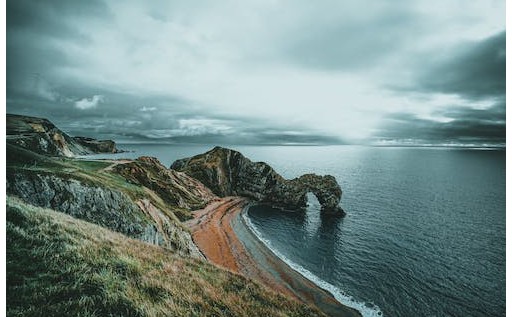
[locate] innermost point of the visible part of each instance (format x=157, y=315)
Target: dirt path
x=114, y=163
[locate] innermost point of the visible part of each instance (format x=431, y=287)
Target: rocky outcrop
x=228, y=173
x=106, y=207
x=97, y=146
x=43, y=137
x=175, y=188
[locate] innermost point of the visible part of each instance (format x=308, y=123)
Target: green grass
x=89, y=172
x=90, y=166
x=60, y=266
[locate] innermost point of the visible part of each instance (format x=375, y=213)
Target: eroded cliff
x=41, y=136
x=95, y=192
x=228, y=173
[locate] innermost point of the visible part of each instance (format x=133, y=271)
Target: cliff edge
x=43, y=137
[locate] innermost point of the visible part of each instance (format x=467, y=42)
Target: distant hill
x=41, y=136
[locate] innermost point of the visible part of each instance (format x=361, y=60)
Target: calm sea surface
x=424, y=233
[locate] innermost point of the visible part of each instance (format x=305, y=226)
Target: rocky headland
x=41, y=136
x=228, y=173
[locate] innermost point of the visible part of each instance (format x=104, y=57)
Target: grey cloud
x=241, y=138
x=186, y=61
x=466, y=126
x=357, y=39
x=126, y=117
x=472, y=71
x=55, y=18
x=38, y=33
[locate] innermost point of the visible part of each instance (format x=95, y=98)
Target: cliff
x=97, y=146
x=94, y=191
x=228, y=173
x=175, y=188
x=43, y=137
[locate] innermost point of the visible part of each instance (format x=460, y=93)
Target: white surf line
x=339, y=295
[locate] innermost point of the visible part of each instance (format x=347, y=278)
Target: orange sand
x=212, y=232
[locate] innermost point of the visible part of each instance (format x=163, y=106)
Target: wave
x=366, y=309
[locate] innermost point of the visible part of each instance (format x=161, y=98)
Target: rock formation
x=227, y=172
x=107, y=207
x=97, y=146
x=148, y=205
x=43, y=137
x=175, y=188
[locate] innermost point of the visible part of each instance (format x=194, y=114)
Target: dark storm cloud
x=472, y=71
x=186, y=127
x=465, y=126
x=36, y=33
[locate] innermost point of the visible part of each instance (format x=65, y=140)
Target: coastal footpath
x=134, y=238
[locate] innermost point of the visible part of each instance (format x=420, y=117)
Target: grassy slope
x=60, y=266
x=20, y=160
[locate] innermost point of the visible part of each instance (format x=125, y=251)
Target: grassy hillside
x=96, y=173
x=61, y=266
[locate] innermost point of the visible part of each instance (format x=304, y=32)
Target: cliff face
x=175, y=188
x=97, y=146
x=109, y=208
x=227, y=172
x=95, y=192
x=43, y=137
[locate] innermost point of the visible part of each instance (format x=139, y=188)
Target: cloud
x=355, y=37
x=457, y=125
x=233, y=72
x=475, y=70
x=88, y=103
x=148, y=109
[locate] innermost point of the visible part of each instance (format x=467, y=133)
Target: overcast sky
x=267, y=71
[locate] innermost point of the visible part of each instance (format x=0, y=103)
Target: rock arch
x=228, y=173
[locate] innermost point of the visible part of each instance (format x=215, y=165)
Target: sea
x=424, y=233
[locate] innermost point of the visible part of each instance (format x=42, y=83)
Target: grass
x=61, y=266
x=90, y=172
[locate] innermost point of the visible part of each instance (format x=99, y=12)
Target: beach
x=225, y=240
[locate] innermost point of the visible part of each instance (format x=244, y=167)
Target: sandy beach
x=222, y=236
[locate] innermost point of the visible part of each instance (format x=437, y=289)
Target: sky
x=416, y=72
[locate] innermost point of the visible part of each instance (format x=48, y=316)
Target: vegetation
x=91, y=172
x=61, y=266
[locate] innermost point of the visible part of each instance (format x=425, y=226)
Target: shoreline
x=225, y=240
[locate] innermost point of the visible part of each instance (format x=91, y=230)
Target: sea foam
x=366, y=309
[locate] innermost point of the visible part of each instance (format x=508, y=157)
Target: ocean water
x=424, y=233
